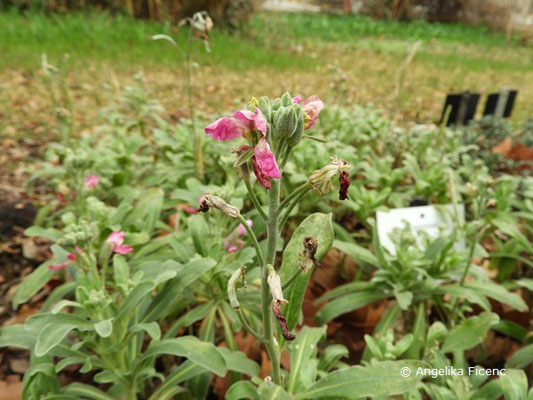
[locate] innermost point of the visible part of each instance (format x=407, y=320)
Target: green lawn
x=272, y=53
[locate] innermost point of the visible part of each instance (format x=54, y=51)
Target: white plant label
x=432, y=220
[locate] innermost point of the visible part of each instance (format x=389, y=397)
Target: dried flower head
x=284, y=325
x=217, y=202
x=320, y=180
x=308, y=255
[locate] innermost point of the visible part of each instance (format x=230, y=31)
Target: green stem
x=255, y=200
x=247, y=325
x=272, y=241
x=292, y=195
x=196, y=135
x=288, y=211
x=254, y=238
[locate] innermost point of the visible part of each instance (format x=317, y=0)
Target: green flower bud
x=298, y=132
x=286, y=99
x=265, y=107
x=276, y=104
x=286, y=122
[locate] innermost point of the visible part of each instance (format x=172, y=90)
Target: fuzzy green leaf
x=319, y=226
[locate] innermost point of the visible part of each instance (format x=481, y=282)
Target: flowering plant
x=272, y=130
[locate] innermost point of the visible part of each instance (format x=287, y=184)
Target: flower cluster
x=271, y=128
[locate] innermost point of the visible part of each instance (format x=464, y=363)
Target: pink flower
x=91, y=181
x=232, y=242
x=312, y=107
x=254, y=121
x=71, y=256
x=297, y=99
x=57, y=267
x=116, y=239
x=266, y=160
x=225, y=128
x=242, y=230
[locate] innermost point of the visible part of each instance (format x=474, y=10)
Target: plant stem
x=254, y=239
x=255, y=200
x=246, y=324
x=289, y=209
x=272, y=241
x=292, y=195
x=196, y=135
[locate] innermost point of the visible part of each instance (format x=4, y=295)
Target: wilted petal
x=261, y=177
x=254, y=121
x=344, y=180
x=312, y=107
x=91, y=181
x=225, y=129
x=57, y=267
x=266, y=160
x=297, y=99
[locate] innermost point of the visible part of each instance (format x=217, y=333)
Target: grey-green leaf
x=319, y=226
x=104, y=328
x=202, y=353
x=376, y=380
x=346, y=304
x=469, y=333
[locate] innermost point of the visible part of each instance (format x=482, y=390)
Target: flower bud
x=286, y=122
x=286, y=99
x=265, y=107
x=298, y=132
x=276, y=104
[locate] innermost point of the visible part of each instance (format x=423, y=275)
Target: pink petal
x=57, y=267
x=123, y=249
x=71, y=256
x=191, y=210
x=78, y=250
x=116, y=239
x=297, y=99
x=261, y=177
x=312, y=107
x=225, y=129
x=91, y=181
x=241, y=230
x=266, y=160
x=253, y=121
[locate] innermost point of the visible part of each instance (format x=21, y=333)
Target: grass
x=270, y=54
x=122, y=41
